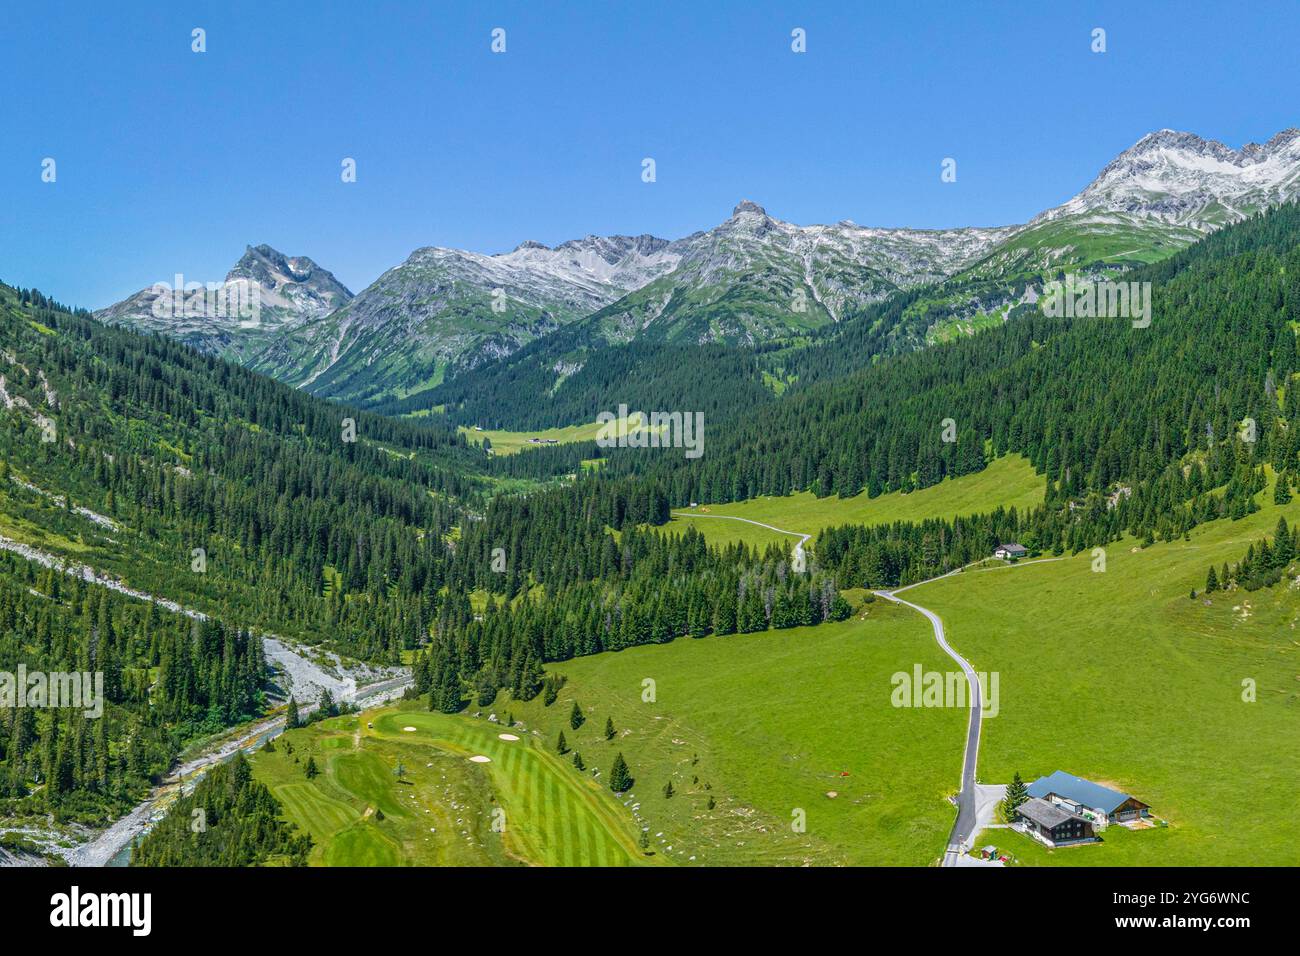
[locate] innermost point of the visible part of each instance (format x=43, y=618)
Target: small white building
x=1010, y=552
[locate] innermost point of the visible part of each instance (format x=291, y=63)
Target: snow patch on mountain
x=1182, y=179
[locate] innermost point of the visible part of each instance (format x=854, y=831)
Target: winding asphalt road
x=967, y=798
x=964, y=826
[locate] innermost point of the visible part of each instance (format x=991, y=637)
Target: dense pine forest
x=229, y=820
x=167, y=679
x=606, y=595
x=718, y=380
x=1142, y=430
x=194, y=479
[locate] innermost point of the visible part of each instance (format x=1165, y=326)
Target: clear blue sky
x=171, y=161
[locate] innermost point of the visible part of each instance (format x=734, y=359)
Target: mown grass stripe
x=550, y=809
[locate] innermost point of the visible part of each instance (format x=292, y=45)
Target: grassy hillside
x=764, y=725
x=443, y=810
x=1122, y=678
x=1008, y=482
x=758, y=723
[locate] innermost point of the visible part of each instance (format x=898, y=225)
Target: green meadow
x=521, y=805
x=1119, y=676
x=509, y=443
x=553, y=815
x=359, y=814
x=782, y=747
x=1009, y=481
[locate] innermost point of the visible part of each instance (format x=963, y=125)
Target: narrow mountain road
x=803, y=538
x=963, y=827
x=968, y=798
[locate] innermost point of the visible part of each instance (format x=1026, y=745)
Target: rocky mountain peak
x=273, y=270
x=1184, y=179
x=748, y=207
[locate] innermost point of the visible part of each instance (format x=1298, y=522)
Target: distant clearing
x=1009, y=481
x=509, y=443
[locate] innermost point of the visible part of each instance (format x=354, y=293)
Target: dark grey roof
x=1043, y=813
x=1091, y=795
x=1012, y=546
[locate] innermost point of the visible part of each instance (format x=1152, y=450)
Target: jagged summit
x=292, y=290
x=274, y=270
x=1186, y=180
x=748, y=206
x=1178, y=140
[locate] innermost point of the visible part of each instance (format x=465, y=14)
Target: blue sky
x=171, y=161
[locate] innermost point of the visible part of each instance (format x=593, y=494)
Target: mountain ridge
x=751, y=280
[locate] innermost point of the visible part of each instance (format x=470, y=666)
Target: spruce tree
x=1017, y=793
x=1211, y=581
x=291, y=719
x=1282, y=489
x=609, y=728
x=576, y=718
x=311, y=769
x=620, y=779
x=561, y=745
x=1283, y=546
x=485, y=688
x=668, y=790
x=577, y=761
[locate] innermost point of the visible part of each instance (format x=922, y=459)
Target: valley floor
x=785, y=748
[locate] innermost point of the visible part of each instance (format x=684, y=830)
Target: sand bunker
x=409, y=730
x=507, y=736
x=479, y=758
